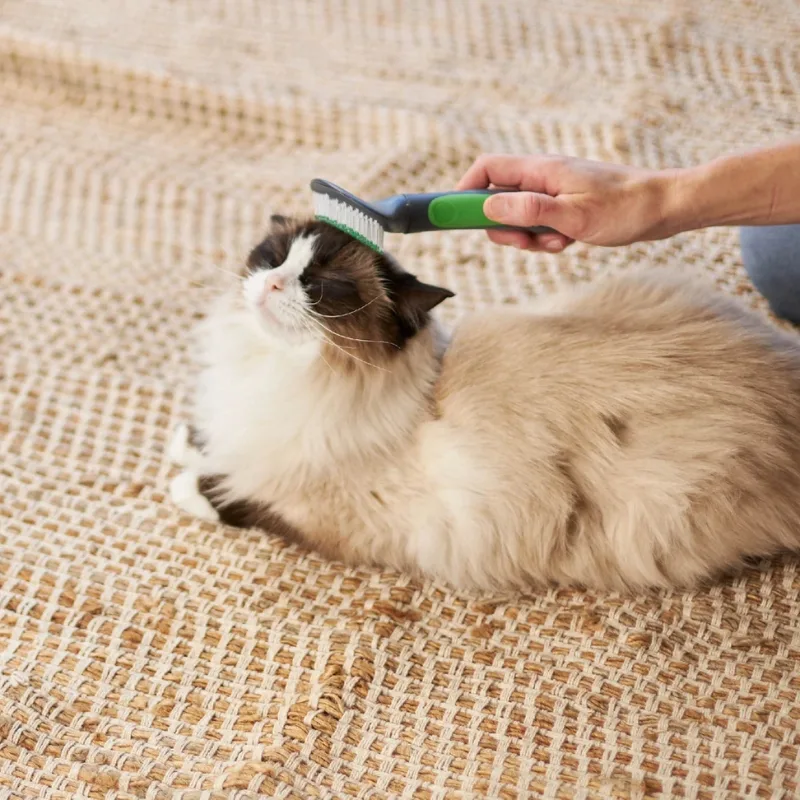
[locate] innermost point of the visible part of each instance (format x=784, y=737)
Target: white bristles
x=355, y=222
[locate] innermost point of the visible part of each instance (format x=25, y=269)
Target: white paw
x=176, y=452
x=181, y=451
x=185, y=494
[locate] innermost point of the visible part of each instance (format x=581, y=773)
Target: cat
x=641, y=432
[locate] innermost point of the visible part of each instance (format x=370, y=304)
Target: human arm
x=610, y=204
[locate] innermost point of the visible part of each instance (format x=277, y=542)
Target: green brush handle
x=435, y=211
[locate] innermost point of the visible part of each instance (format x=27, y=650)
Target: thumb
x=526, y=209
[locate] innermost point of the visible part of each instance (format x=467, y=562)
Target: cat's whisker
x=323, y=330
x=348, y=353
x=303, y=321
x=300, y=317
x=308, y=327
x=228, y=271
x=356, y=358
x=354, y=338
x=317, y=302
x=327, y=364
x=349, y=313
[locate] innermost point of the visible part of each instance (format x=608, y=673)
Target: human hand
x=586, y=201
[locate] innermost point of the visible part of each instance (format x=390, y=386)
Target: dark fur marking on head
x=363, y=301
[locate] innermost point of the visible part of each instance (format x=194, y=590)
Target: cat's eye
x=332, y=283
x=329, y=289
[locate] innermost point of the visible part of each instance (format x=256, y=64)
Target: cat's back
x=631, y=340
x=665, y=365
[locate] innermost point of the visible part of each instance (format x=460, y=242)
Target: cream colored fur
x=642, y=432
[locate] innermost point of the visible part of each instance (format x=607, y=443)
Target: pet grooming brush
x=404, y=213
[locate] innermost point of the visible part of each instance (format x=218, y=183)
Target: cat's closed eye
x=333, y=284
x=324, y=289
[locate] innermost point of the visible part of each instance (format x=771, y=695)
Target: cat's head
x=309, y=282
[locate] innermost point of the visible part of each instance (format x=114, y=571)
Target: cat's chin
x=289, y=340
x=281, y=334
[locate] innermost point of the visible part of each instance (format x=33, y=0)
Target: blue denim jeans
x=771, y=257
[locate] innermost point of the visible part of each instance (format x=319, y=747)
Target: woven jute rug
x=147, y=655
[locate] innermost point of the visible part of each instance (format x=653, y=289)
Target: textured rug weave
x=143, y=143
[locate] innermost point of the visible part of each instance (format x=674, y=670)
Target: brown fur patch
x=244, y=513
x=583, y=512
x=619, y=428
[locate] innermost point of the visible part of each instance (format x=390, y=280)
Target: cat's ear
x=413, y=294
x=279, y=221
x=413, y=300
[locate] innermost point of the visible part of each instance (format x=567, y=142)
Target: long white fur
x=274, y=421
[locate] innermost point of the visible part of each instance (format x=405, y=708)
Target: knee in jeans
x=771, y=256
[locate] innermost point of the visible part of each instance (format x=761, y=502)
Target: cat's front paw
x=185, y=492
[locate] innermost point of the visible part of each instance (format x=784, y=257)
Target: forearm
x=757, y=187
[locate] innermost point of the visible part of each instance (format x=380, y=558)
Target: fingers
x=518, y=239
x=552, y=242
x=543, y=242
x=530, y=209
x=502, y=170
x=533, y=199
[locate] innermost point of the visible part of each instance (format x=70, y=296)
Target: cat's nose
x=273, y=283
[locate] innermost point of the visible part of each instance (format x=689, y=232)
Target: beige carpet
x=146, y=655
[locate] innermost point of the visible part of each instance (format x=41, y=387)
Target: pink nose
x=272, y=283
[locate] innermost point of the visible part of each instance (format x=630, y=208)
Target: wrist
x=677, y=193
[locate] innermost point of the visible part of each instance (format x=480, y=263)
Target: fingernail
x=495, y=207
x=553, y=246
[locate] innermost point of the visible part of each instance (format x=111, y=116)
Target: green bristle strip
x=348, y=230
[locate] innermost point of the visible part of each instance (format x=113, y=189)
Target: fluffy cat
x=643, y=432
